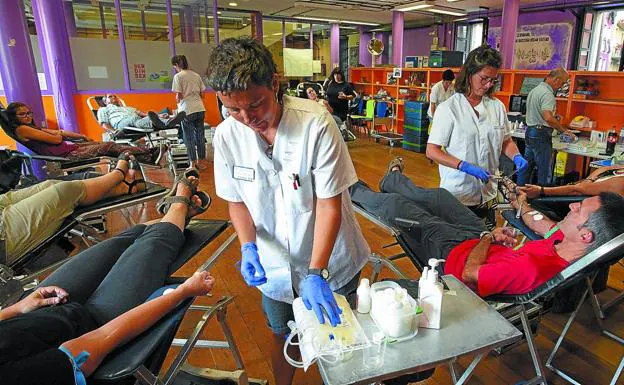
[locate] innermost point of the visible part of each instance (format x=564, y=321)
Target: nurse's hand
x=520, y=162
x=317, y=295
x=480, y=173
x=251, y=269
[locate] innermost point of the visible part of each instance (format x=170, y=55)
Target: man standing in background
x=541, y=120
x=441, y=91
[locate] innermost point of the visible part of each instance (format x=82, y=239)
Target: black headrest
x=100, y=100
x=6, y=124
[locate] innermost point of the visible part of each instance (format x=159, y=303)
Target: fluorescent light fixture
x=233, y=4
x=452, y=1
x=335, y=21
x=414, y=6
x=446, y=12
x=277, y=34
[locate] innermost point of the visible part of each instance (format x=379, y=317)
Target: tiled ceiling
x=371, y=11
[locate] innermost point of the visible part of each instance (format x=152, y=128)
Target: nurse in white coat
x=472, y=127
x=283, y=167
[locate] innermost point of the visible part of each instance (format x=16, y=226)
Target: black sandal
x=124, y=156
x=134, y=165
x=183, y=178
x=165, y=203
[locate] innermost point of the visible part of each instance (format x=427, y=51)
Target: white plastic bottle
x=363, y=297
x=430, y=292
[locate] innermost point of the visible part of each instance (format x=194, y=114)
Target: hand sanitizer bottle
x=430, y=292
x=363, y=293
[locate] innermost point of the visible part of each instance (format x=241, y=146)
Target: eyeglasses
x=485, y=80
x=25, y=114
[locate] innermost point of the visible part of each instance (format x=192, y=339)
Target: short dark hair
x=477, y=59
x=180, y=61
x=448, y=75
x=336, y=71
x=607, y=222
x=238, y=62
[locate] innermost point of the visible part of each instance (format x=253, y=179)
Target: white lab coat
x=438, y=95
x=476, y=140
x=308, y=144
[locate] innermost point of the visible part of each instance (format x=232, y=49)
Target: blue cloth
x=538, y=151
x=76, y=364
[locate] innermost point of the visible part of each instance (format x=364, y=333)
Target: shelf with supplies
x=606, y=108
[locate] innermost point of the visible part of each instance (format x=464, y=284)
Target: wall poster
x=538, y=46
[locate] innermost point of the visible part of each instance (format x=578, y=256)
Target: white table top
x=469, y=327
x=581, y=147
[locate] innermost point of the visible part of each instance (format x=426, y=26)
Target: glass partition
x=95, y=47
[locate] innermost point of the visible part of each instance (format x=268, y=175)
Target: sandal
x=165, y=203
x=182, y=179
x=134, y=165
x=124, y=156
x=396, y=162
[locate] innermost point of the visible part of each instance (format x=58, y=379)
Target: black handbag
x=10, y=170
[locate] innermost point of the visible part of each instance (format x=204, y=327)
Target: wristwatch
x=324, y=273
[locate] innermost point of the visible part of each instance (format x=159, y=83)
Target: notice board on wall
x=538, y=46
x=298, y=62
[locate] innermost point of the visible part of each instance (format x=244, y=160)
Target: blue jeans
x=538, y=152
x=194, y=137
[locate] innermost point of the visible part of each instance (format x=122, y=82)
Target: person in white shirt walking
x=441, y=91
x=283, y=167
x=189, y=90
x=473, y=128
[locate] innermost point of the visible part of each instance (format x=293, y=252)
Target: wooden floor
x=590, y=356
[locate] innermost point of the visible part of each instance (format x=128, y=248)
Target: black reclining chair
x=585, y=269
x=129, y=135
x=55, y=250
x=141, y=360
x=55, y=166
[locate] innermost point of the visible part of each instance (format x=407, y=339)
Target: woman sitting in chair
x=61, y=332
x=44, y=141
x=603, y=179
x=31, y=215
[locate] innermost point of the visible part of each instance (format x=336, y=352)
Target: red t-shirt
x=510, y=271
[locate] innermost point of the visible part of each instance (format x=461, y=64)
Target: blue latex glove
x=482, y=174
x=251, y=269
x=317, y=295
x=520, y=162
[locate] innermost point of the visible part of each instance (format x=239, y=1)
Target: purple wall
x=417, y=42
x=544, y=18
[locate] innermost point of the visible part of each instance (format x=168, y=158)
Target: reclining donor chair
x=585, y=269
x=524, y=309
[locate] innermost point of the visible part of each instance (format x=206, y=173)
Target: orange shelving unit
x=606, y=108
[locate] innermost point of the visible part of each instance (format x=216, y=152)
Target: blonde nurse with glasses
x=472, y=127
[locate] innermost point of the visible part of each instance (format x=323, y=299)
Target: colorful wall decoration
x=538, y=46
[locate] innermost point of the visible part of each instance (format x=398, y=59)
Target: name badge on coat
x=244, y=173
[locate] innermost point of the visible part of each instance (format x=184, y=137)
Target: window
x=605, y=33
x=95, y=47
x=468, y=37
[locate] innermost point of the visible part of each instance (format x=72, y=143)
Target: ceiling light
x=447, y=12
x=602, y=2
x=335, y=21
x=218, y=12
x=233, y=4
x=414, y=6
x=277, y=34
x=452, y=1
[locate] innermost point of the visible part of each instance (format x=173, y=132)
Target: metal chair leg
x=539, y=369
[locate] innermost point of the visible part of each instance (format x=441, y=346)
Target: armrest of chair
x=127, y=359
x=559, y=199
x=510, y=217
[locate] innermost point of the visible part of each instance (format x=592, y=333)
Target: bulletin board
x=298, y=62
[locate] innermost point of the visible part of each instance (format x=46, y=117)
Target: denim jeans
x=538, y=152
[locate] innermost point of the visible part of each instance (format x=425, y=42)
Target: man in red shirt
x=488, y=262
